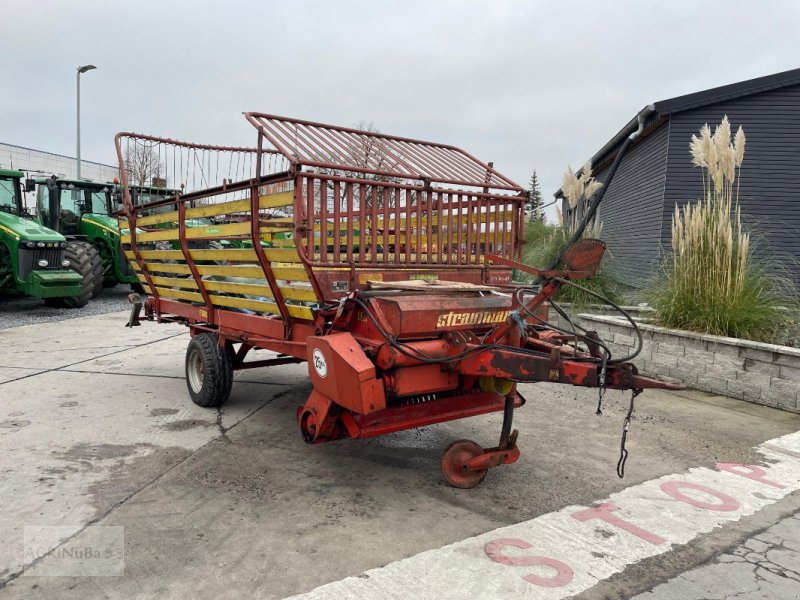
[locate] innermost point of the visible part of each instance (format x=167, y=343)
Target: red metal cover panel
x=424, y=315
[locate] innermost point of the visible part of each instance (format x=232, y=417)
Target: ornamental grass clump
x=711, y=283
x=543, y=243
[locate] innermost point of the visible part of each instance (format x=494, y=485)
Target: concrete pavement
x=98, y=430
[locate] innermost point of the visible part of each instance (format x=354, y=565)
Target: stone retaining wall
x=761, y=373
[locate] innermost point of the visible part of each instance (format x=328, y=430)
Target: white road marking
x=566, y=552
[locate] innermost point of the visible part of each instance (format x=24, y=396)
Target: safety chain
x=626, y=425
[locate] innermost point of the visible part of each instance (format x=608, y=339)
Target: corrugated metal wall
x=632, y=208
x=770, y=178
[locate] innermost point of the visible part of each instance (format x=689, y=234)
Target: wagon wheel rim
x=195, y=371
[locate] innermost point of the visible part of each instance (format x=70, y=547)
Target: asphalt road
x=21, y=310
x=102, y=452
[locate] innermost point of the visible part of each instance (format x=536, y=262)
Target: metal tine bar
x=398, y=156
x=362, y=213
x=428, y=224
x=496, y=227
x=442, y=157
x=294, y=139
x=262, y=118
x=408, y=194
x=512, y=222
x=386, y=229
x=414, y=160
x=355, y=144
x=310, y=215
x=349, y=193
x=444, y=170
x=323, y=220
x=450, y=228
x=428, y=166
x=418, y=226
x=439, y=227
x=337, y=223
x=468, y=226
x=282, y=144
x=327, y=143
x=394, y=153
x=460, y=234
x=373, y=226
x=425, y=166
x=468, y=170
x=397, y=192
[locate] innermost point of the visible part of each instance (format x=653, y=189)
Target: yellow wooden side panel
x=179, y=294
x=187, y=283
x=221, y=255
x=211, y=210
x=164, y=268
x=299, y=312
x=208, y=231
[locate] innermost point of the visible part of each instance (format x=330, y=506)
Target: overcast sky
x=529, y=85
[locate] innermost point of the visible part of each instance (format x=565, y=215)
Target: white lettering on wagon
x=481, y=317
x=320, y=366
x=566, y=552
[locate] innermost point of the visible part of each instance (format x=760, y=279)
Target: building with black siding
x=656, y=172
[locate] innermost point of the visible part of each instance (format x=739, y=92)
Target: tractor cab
x=62, y=203
x=10, y=192
x=34, y=260
x=84, y=210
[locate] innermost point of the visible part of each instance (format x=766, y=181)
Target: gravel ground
x=17, y=311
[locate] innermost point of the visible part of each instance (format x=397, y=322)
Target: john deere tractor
x=37, y=261
x=82, y=210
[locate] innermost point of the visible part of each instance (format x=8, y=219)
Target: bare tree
x=143, y=165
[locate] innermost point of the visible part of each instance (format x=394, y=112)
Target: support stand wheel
x=454, y=464
x=308, y=425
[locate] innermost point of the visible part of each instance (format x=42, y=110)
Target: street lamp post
x=82, y=69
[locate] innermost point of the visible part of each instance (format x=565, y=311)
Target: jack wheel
x=454, y=462
x=308, y=425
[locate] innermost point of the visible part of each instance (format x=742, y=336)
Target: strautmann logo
x=482, y=317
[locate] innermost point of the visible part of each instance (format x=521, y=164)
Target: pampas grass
x=544, y=242
x=711, y=283
x=578, y=190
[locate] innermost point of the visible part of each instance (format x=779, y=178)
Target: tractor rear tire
x=83, y=259
x=209, y=371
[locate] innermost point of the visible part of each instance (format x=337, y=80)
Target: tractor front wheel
x=83, y=259
x=209, y=370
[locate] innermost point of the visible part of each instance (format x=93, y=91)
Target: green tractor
x=34, y=260
x=83, y=210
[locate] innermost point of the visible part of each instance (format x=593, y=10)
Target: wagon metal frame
x=385, y=262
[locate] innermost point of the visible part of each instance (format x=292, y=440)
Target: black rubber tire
x=83, y=259
x=209, y=371
x=106, y=263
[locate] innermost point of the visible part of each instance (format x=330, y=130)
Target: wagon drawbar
x=383, y=262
